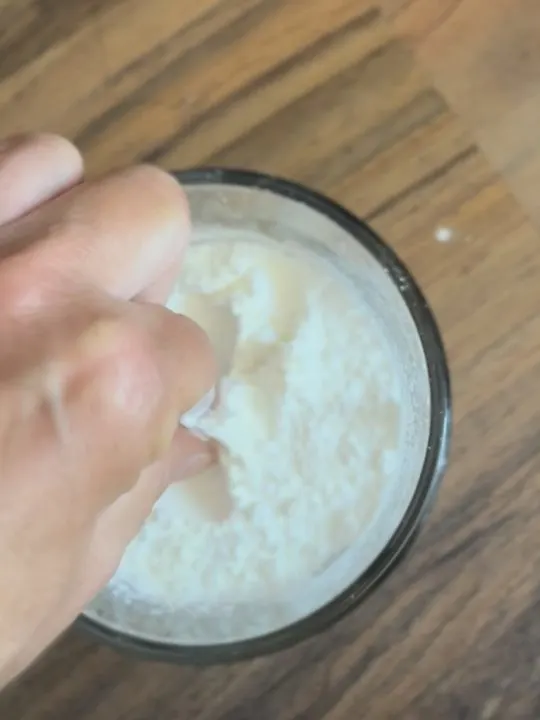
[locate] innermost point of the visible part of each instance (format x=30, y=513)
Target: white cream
x=309, y=420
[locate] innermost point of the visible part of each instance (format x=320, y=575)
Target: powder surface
x=308, y=420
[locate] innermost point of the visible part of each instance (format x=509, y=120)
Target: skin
x=94, y=374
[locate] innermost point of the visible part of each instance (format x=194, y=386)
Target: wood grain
x=330, y=96
x=484, y=57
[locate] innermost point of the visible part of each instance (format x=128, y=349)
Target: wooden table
x=327, y=92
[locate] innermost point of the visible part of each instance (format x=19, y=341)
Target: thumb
x=119, y=523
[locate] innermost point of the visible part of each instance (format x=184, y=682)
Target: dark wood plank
x=334, y=98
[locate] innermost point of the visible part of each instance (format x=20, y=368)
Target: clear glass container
x=284, y=211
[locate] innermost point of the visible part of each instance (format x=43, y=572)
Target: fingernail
x=191, y=419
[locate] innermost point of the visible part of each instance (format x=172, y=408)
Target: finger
x=104, y=404
x=120, y=234
x=135, y=377
x=119, y=523
x=181, y=351
x=33, y=169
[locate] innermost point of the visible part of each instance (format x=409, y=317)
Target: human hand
x=94, y=375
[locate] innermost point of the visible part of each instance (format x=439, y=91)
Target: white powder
x=309, y=420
